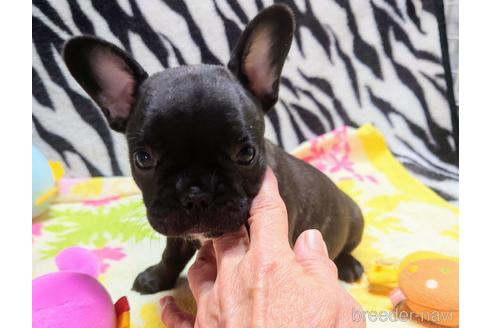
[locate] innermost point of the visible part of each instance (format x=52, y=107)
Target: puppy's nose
x=196, y=199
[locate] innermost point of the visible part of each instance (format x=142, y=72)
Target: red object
x=121, y=306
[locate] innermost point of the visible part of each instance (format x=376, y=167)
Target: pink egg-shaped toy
x=71, y=299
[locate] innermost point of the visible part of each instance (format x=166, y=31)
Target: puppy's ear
x=108, y=74
x=259, y=56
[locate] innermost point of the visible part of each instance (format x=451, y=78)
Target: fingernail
x=315, y=242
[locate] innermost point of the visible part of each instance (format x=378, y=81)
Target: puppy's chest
x=199, y=237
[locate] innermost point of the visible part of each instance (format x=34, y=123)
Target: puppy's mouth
x=211, y=224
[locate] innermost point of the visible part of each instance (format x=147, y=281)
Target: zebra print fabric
x=351, y=62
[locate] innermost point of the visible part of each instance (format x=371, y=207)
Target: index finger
x=268, y=224
x=202, y=273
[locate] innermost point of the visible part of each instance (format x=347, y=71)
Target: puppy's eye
x=245, y=155
x=143, y=159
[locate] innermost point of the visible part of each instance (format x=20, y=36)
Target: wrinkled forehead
x=176, y=85
x=199, y=125
x=201, y=106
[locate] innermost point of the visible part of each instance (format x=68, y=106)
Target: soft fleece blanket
x=106, y=215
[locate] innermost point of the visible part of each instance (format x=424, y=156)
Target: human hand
x=259, y=280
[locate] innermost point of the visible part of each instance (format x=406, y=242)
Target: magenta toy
x=73, y=297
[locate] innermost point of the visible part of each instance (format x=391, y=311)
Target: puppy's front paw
x=153, y=280
x=349, y=269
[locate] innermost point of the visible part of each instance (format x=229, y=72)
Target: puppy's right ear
x=108, y=74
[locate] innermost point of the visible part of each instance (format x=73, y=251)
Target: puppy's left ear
x=260, y=54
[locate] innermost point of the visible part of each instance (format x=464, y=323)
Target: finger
x=173, y=317
x=310, y=251
x=202, y=274
x=230, y=248
x=268, y=223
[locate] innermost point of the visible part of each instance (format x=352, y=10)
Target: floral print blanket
x=106, y=216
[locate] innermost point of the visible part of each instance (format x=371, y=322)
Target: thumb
x=310, y=251
x=173, y=317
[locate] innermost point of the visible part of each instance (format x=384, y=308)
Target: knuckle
x=332, y=267
x=194, y=269
x=265, y=265
x=268, y=203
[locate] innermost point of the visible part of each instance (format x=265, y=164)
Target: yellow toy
x=383, y=276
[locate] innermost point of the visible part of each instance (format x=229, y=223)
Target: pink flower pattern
x=335, y=159
x=37, y=230
x=101, y=201
x=108, y=253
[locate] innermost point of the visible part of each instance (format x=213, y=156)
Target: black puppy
x=197, y=147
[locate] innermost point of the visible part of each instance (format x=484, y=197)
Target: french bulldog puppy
x=197, y=148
